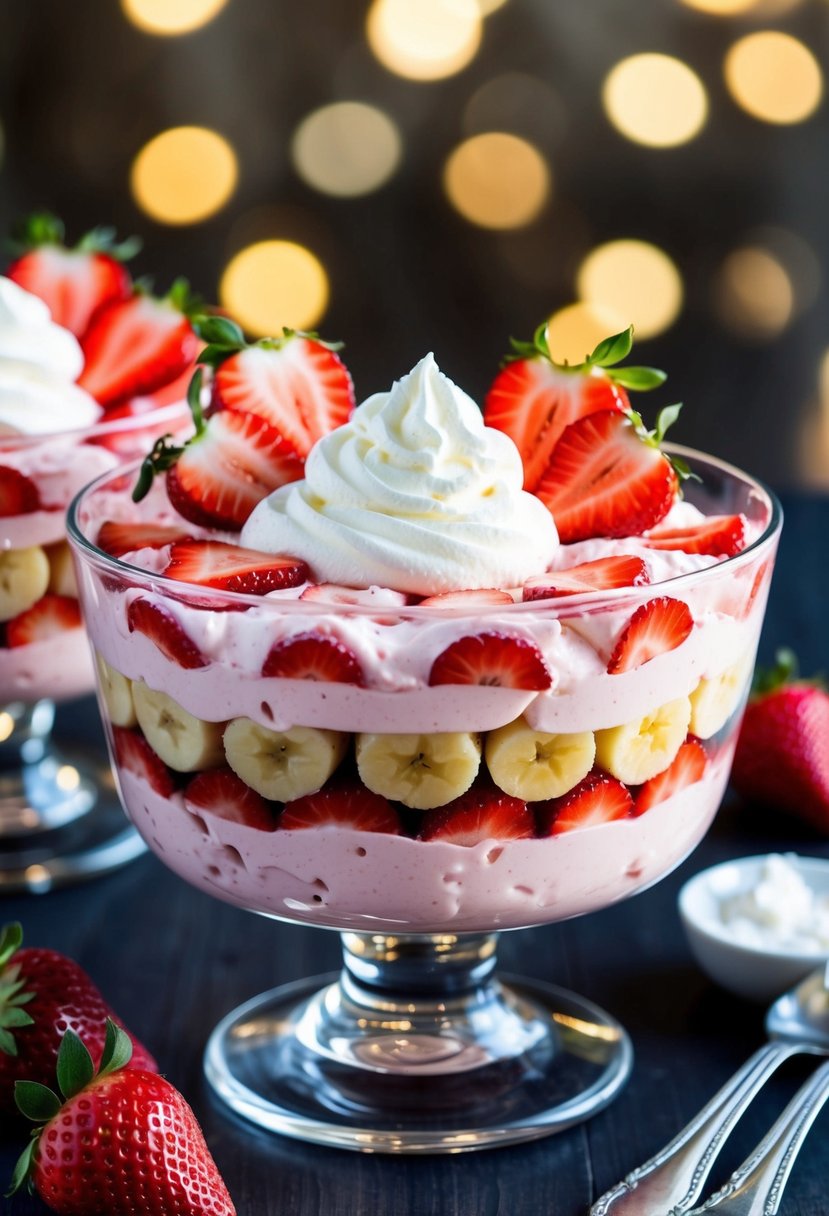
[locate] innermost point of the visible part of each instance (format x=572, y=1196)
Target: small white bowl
x=757, y=973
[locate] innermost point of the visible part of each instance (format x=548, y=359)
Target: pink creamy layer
x=59, y=667
x=369, y=881
x=59, y=468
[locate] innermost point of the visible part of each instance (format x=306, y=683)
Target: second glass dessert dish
x=419, y=762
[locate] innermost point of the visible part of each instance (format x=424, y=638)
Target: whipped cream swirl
x=39, y=362
x=414, y=493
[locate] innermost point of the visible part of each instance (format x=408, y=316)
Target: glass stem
x=25, y=731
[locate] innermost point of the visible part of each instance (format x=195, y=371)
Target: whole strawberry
x=121, y=1141
x=782, y=756
x=43, y=994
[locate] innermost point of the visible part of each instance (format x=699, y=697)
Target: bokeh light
x=427, y=40
x=346, y=149
x=273, y=284
x=720, y=8
x=774, y=77
x=489, y=6
x=171, y=17
x=184, y=175
x=497, y=180
x=633, y=280
x=519, y=103
x=575, y=330
x=655, y=100
x=754, y=295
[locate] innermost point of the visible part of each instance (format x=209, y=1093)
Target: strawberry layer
x=59, y=667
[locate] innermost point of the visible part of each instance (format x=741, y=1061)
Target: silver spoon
x=674, y=1178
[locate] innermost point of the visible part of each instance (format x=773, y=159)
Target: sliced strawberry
x=476, y=598
x=492, y=658
x=296, y=383
x=169, y=394
x=688, y=766
x=50, y=616
x=310, y=656
x=355, y=597
x=117, y=538
x=345, y=804
x=603, y=574
x=137, y=345
x=133, y=753
x=212, y=563
x=607, y=477
x=655, y=628
x=715, y=536
x=533, y=398
x=18, y=494
x=482, y=813
x=598, y=798
x=221, y=793
x=165, y=632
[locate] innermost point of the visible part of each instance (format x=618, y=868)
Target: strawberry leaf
x=638, y=379
x=784, y=671
x=39, y=228
x=219, y=331
x=22, y=1170
x=75, y=1067
x=104, y=240
x=117, y=1051
x=612, y=350
x=11, y=939
x=37, y=1102
x=665, y=419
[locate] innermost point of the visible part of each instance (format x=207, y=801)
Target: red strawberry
x=782, y=756
x=18, y=495
x=603, y=574
x=492, y=658
x=49, y=617
x=119, y=1139
x=164, y=630
x=212, y=563
x=533, y=398
x=118, y=538
x=42, y=995
x=608, y=477
x=221, y=793
x=596, y=799
x=482, y=813
x=479, y=596
x=716, y=536
x=310, y=656
x=75, y=283
x=137, y=345
x=688, y=766
x=343, y=803
x=133, y=752
x=296, y=383
x=172, y=393
x=656, y=627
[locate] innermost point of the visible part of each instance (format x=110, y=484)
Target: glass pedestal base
x=416, y=1047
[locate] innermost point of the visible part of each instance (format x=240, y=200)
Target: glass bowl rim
x=152, y=418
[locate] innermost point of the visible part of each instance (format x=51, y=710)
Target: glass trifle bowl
x=420, y=773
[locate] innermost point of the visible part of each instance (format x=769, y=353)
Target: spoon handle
x=756, y=1187
x=673, y=1179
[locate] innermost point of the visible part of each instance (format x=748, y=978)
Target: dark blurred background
x=410, y=175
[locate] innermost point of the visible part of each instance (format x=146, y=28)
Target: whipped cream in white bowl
x=413, y=492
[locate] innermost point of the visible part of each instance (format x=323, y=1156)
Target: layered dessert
x=91, y=370
x=413, y=667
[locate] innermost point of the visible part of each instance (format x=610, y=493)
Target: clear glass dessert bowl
x=229, y=768
x=59, y=818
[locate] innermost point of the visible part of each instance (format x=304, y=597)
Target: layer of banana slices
x=27, y=574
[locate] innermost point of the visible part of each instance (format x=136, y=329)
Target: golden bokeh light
x=273, y=284
x=497, y=180
x=346, y=149
x=720, y=8
x=655, y=100
x=184, y=175
x=754, y=294
x=171, y=17
x=774, y=77
x=427, y=40
x=634, y=280
x=813, y=434
x=575, y=330
x=489, y=6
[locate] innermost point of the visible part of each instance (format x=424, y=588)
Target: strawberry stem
x=43, y=228
x=606, y=354
x=12, y=994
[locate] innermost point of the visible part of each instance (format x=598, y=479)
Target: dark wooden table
x=172, y=961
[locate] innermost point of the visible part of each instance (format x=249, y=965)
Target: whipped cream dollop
x=39, y=362
x=414, y=493
x=780, y=912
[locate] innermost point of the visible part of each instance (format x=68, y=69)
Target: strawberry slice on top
x=117, y=537
x=297, y=383
x=603, y=574
x=482, y=813
x=213, y=563
x=715, y=536
x=312, y=656
x=477, y=597
x=598, y=798
x=343, y=803
x=76, y=282
x=533, y=398
x=497, y=659
x=655, y=628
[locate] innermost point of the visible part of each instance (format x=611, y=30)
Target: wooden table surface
x=172, y=961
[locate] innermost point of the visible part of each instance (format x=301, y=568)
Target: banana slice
x=24, y=578
x=62, y=579
x=637, y=751
x=534, y=765
x=283, y=764
x=183, y=742
x=421, y=771
x=713, y=701
x=116, y=691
